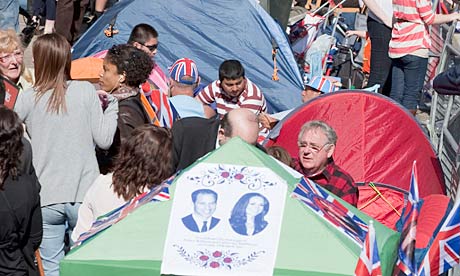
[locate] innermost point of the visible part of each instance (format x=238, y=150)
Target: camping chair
x=309, y=5
x=342, y=63
x=303, y=34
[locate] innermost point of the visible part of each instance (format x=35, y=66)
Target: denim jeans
x=46, y=8
x=380, y=36
x=408, y=76
x=58, y=219
x=9, y=14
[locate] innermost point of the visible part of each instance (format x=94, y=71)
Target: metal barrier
x=444, y=124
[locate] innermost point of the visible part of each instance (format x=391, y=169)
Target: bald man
x=194, y=137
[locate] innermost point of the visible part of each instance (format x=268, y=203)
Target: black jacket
x=131, y=114
x=21, y=233
x=193, y=137
x=448, y=82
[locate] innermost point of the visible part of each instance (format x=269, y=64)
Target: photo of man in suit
x=204, y=206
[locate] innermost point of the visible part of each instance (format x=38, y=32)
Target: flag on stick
x=406, y=261
x=369, y=260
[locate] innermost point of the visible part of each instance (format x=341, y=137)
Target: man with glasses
x=316, y=143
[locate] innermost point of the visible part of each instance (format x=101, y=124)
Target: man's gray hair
x=327, y=130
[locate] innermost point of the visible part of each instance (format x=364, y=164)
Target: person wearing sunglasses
x=316, y=143
x=144, y=37
x=12, y=60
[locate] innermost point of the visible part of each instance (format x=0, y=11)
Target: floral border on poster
x=229, y=174
x=217, y=259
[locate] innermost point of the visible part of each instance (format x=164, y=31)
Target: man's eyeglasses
x=150, y=47
x=314, y=148
x=18, y=55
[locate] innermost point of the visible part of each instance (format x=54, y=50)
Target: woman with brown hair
x=65, y=121
x=20, y=214
x=135, y=172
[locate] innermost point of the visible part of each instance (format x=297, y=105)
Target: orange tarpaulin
x=87, y=68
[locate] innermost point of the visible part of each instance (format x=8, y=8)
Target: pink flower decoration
x=239, y=176
x=217, y=254
x=204, y=258
x=227, y=260
x=214, y=264
x=225, y=174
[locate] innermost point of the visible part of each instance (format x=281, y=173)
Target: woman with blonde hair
x=12, y=60
x=65, y=121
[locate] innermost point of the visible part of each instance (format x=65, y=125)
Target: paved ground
x=28, y=52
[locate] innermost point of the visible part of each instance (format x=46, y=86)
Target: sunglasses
x=150, y=47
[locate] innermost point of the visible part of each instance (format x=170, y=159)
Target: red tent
x=377, y=139
x=383, y=202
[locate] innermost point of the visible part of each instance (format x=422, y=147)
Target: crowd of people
x=73, y=150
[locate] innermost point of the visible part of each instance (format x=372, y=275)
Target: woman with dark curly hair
x=20, y=213
x=248, y=214
x=124, y=69
x=135, y=172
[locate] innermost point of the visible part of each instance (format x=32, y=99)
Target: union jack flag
x=165, y=113
x=444, y=252
x=157, y=194
x=406, y=262
x=369, y=260
x=331, y=210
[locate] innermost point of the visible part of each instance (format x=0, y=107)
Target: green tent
x=308, y=245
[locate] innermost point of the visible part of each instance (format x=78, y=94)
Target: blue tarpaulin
x=209, y=32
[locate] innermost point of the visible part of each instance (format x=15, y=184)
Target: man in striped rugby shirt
x=233, y=90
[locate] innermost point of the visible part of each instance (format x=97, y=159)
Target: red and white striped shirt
x=251, y=98
x=410, y=32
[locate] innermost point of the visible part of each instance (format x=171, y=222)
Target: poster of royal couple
x=225, y=219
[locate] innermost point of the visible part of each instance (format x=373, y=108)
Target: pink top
x=410, y=32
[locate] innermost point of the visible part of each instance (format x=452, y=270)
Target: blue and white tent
x=208, y=32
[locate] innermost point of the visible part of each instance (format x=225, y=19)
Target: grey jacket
x=63, y=144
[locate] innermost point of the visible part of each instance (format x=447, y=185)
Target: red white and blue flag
x=158, y=194
x=369, y=260
x=444, y=252
x=331, y=210
x=406, y=262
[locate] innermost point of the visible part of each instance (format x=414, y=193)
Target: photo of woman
x=248, y=214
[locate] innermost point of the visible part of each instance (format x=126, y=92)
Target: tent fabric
x=433, y=212
x=377, y=139
x=379, y=208
x=308, y=245
x=208, y=32
x=88, y=68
